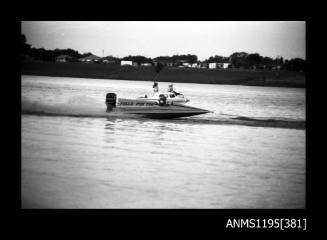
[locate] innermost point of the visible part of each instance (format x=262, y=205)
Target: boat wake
x=87, y=107
x=252, y=122
x=78, y=106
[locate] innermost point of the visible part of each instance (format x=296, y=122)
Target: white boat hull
x=151, y=109
x=162, y=112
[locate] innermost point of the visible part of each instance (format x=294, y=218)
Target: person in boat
x=155, y=87
x=171, y=89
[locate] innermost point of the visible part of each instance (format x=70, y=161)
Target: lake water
x=249, y=153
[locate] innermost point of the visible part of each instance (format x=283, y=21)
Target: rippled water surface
x=249, y=153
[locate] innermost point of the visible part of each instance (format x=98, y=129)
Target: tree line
x=249, y=60
x=237, y=59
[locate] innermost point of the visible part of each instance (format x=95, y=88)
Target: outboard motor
x=110, y=101
x=162, y=100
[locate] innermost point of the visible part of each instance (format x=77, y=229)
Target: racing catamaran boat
x=151, y=108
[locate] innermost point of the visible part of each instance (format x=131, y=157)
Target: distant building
x=145, y=64
x=195, y=65
x=203, y=65
x=219, y=65
x=63, y=58
x=186, y=64
x=166, y=63
x=259, y=67
x=213, y=65
x=223, y=65
x=128, y=63
x=180, y=63
x=108, y=60
x=226, y=65
x=90, y=58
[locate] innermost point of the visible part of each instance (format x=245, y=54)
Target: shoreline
x=172, y=74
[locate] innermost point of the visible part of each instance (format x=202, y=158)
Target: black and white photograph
x=163, y=114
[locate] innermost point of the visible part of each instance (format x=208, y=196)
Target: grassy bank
x=187, y=75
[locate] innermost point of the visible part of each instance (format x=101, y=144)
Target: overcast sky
x=152, y=39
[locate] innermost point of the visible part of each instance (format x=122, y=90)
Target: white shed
x=226, y=65
x=123, y=62
x=212, y=65
x=145, y=64
x=186, y=64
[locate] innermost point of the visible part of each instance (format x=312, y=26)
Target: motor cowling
x=111, y=101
